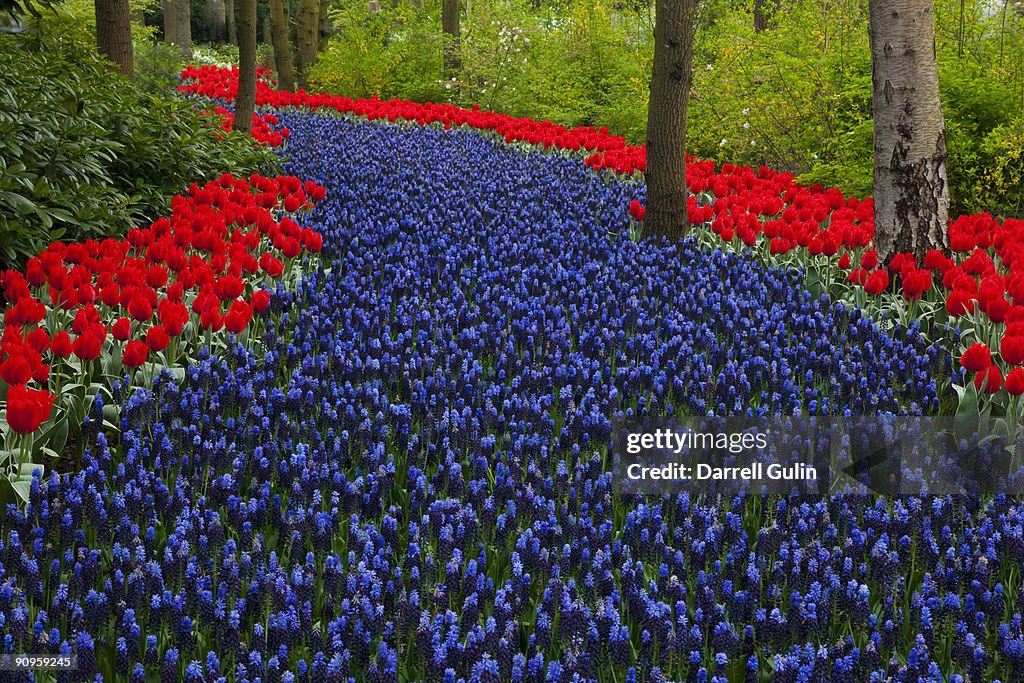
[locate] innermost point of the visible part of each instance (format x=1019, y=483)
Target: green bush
x=157, y=66
x=87, y=153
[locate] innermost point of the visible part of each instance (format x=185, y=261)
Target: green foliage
x=157, y=67
x=796, y=97
x=87, y=153
x=579, y=62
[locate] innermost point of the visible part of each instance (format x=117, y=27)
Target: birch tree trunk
x=245, y=103
x=911, y=185
x=114, y=33
x=665, y=212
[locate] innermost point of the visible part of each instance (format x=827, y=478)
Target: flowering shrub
x=150, y=300
x=408, y=484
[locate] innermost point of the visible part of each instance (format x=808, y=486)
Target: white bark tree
x=911, y=183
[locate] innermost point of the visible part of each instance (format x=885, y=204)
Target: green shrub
x=157, y=66
x=87, y=153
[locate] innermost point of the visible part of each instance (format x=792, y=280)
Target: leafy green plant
x=88, y=154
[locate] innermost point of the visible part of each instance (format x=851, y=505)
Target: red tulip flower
x=89, y=344
x=876, y=282
x=121, y=329
x=988, y=381
x=1015, y=382
x=1012, y=349
x=238, y=316
x=157, y=338
x=976, y=358
x=261, y=300
x=27, y=408
x=17, y=369
x=135, y=353
x=60, y=346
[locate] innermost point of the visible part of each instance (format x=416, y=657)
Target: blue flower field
x=409, y=482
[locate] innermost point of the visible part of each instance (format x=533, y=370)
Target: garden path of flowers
x=409, y=483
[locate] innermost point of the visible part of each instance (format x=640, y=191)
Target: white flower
x=746, y=111
x=746, y=124
x=710, y=68
x=723, y=143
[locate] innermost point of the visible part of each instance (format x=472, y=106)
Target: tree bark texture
x=672, y=72
x=911, y=187
x=245, y=103
x=183, y=27
x=324, y=26
x=760, y=16
x=307, y=34
x=114, y=33
x=217, y=20
x=231, y=23
x=170, y=21
x=283, y=59
x=452, y=36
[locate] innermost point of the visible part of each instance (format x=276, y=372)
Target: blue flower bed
x=410, y=484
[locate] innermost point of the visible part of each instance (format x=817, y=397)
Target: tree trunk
x=183, y=27
x=245, y=103
x=452, y=39
x=307, y=32
x=911, y=184
x=324, y=25
x=114, y=33
x=217, y=18
x=760, y=16
x=283, y=60
x=230, y=22
x=665, y=212
x=170, y=21
x=265, y=38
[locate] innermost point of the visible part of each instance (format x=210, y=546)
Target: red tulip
x=238, y=316
x=876, y=282
x=261, y=300
x=60, y=346
x=27, y=408
x=869, y=261
x=89, y=344
x=1012, y=349
x=976, y=358
x=122, y=329
x=38, y=340
x=988, y=381
x=1015, y=382
x=17, y=369
x=157, y=338
x=135, y=353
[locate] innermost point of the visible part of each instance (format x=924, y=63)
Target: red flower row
x=262, y=126
x=220, y=241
